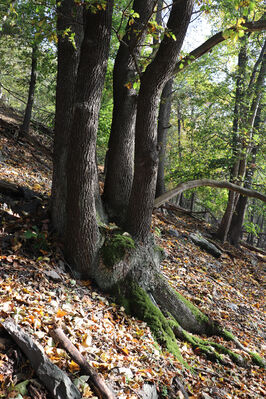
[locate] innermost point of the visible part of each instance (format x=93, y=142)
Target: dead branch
x=210, y=183
x=99, y=385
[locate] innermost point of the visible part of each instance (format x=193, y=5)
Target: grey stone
x=52, y=377
x=53, y=275
x=206, y=245
x=233, y=306
x=148, y=392
x=173, y=233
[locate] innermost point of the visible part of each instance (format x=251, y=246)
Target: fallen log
x=53, y=378
x=98, y=384
x=255, y=249
x=10, y=189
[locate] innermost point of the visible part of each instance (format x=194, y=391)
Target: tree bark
x=120, y=155
x=82, y=239
x=69, y=15
x=163, y=126
x=146, y=151
x=33, y=77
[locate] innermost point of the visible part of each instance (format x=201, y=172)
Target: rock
x=148, y=392
x=126, y=371
x=173, y=233
x=206, y=245
x=2, y=157
x=53, y=275
x=52, y=377
x=233, y=306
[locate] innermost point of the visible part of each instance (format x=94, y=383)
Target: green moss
x=201, y=317
x=138, y=303
x=159, y=249
x=115, y=248
x=228, y=335
x=257, y=360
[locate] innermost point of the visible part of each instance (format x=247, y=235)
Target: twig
x=98, y=383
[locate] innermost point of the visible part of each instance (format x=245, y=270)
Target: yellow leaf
x=36, y=186
x=125, y=351
x=73, y=366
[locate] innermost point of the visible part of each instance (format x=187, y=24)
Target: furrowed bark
x=82, y=239
x=141, y=201
x=69, y=16
x=120, y=154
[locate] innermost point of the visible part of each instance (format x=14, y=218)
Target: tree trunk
x=33, y=77
x=82, y=238
x=253, y=122
x=120, y=154
x=163, y=126
x=236, y=141
x=146, y=151
x=69, y=16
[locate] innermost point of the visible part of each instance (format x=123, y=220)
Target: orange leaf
x=61, y=313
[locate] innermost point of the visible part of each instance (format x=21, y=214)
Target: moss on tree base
x=138, y=303
x=115, y=248
x=130, y=272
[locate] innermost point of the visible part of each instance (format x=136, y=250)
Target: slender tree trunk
x=163, y=126
x=82, y=238
x=120, y=154
x=236, y=142
x=254, y=119
x=261, y=236
x=250, y=238
x=141, y=202
x=33, y=77
x=69, y=15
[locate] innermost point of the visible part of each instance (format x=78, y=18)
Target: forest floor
x=37, y=291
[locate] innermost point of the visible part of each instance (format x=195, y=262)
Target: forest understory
x=38, y=291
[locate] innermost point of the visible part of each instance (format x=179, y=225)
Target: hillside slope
x=38, y=291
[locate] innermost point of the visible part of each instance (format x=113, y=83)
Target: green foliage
x=36, y=238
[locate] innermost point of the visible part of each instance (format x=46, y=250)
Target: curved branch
x=214, y=40
x=210, y=183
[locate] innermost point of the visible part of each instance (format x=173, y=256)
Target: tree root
x=144, y=293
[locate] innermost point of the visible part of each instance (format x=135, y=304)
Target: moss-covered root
x=212, y=350
x=185, y=313
x=138, y=303
x=256, y=359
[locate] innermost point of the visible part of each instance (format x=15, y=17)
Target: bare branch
x=213, y=41
x=210, y=183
